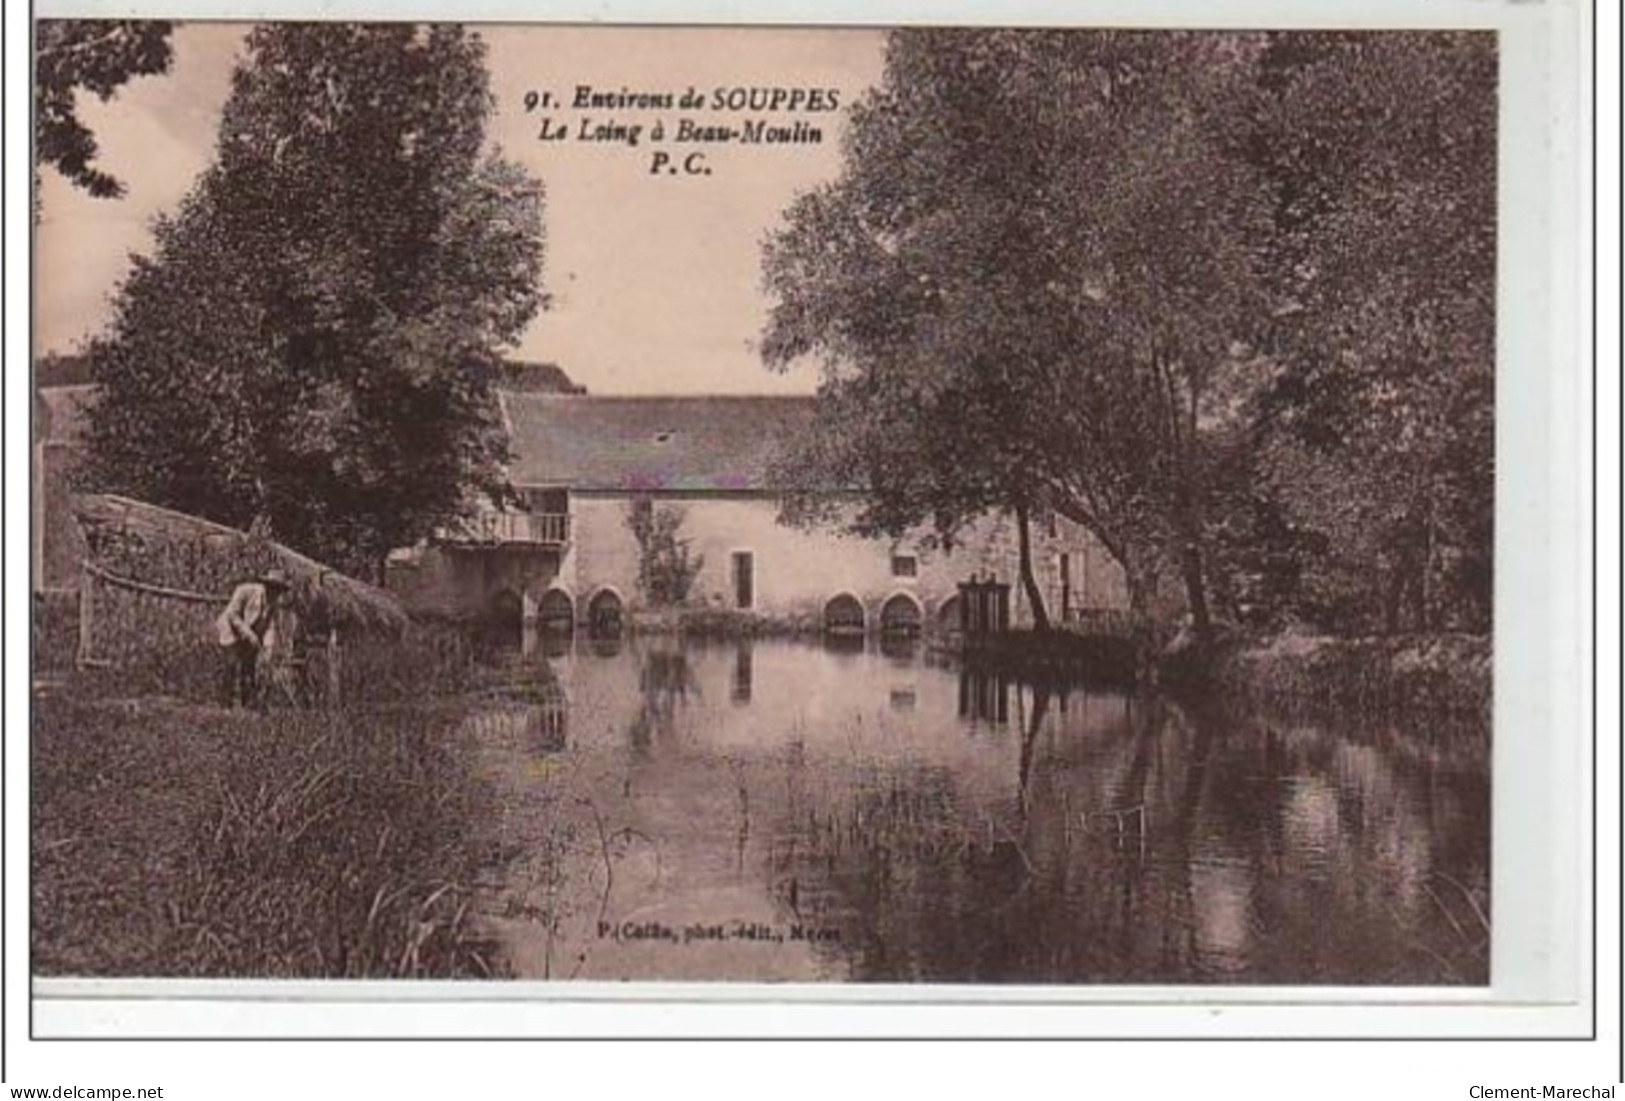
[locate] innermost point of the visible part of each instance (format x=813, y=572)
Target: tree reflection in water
x=1167, y=846
x=973, y=827
x=665, y=682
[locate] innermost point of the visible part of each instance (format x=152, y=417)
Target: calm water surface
x=789, y=811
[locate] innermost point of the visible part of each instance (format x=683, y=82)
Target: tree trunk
x=1029, y=583
x=1190, y=565
x=1405, y=593
x=261, y=527
x=1138, y=581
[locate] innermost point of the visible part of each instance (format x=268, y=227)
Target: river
x=778, y=810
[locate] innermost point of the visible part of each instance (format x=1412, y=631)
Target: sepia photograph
x=946, y=506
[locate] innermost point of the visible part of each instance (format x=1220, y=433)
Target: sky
x=654, y=277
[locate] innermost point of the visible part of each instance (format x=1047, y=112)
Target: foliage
x=1129, y=276
x=1040, y=252
x=666, y=566
x=1381, y=426
x=93, y=55
x=312, y=348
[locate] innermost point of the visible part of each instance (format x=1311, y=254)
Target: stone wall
x=796, y=571
x=457, y=582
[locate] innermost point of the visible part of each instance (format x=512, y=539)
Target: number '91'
x=535, y=99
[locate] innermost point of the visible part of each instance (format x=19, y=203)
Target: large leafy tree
x=1381, y=152
x=1218, y=297
x=1042, y=255
x=312, y=346
x=93, y=55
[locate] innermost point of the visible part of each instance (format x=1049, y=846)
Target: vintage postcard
x=957, y=507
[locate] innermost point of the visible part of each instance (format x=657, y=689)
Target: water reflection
x=902, y=649
x=547, y=723
x=744, y=673
x=965, y=826
x=984, y=697
x=664, y=684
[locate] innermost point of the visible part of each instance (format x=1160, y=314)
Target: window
x=905, y=565
x=744, y=579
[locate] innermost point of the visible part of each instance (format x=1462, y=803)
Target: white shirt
x=244, y=615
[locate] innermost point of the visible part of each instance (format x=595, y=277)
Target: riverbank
x=1443, y=677
x=178, y=839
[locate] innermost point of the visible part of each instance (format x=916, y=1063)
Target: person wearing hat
x=241, y=631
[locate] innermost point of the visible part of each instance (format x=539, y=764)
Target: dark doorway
x=556, y=614
x=605, y=615
x=900, y=616
x=843, y=615
x=744, y=579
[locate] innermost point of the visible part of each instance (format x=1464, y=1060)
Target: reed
x=169, y=841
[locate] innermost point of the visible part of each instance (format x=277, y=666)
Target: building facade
x=569, y=557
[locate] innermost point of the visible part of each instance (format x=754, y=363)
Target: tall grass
x=149, y=645
x=427, y=662
x=1442, y=683
x=144, y=643
x=174, y=842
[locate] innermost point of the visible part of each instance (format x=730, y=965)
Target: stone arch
x=844, y=615
x=556, y=611
x=948, y=613
x=606, y=613
x=901, y=614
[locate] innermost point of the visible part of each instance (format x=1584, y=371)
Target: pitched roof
x=62, y=369
x=711, y=443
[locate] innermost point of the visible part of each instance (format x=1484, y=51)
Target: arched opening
x=900, y=617
x=843, y=615
x=556, y=612
x=503, y=626
x=605, y=615
x=948, y=614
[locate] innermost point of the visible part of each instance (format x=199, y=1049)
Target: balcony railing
x=548, y=529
